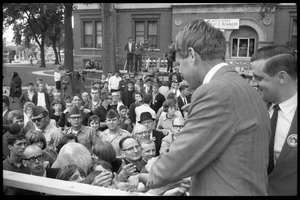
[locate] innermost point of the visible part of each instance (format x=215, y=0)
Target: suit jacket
x=47, y=99
x=143, y=90
x=180, y=102
x=223, y=145
x=132, y=48
x=283, y=178
x=24, y=98
x=158, y=102
x=127, y=97
x=158, y=138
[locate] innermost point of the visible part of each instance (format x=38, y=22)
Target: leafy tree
x=32, y=21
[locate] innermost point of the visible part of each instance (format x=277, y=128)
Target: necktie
x=184, y=101
x=271, y=145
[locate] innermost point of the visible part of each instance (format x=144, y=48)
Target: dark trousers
x=138, y=63
x=170, y=65
x=57, y=85
x=130, y=57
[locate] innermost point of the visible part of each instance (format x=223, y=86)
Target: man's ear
x=282, y=77
x=192, y=55
x=68, y=119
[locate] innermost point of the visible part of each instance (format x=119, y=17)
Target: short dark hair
x=30, y=83
x=12, y=139
x=14, y=114
x=34, y=136
x=182, y=87
x=278, y=58
x=64, y=140
x=122, y=141
x=93, y=118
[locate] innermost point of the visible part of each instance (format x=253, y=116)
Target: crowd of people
x=206, y=131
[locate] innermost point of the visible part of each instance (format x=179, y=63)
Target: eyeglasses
x=76, y=117
x=33, y=159
x=38, y=119
x=142, y=133
x=177, y=126
x=131, y=149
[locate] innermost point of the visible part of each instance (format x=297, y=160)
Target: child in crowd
x=85, y=99
x=124, y=122
x=94, y=122
x=56, y=111
x=50, y=91
x=105, y=87
x=63, y=122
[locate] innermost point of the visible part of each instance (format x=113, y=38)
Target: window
x=147, y=31
x=242, y=47
x=92, y=34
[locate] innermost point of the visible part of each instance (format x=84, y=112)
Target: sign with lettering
x=224, y=23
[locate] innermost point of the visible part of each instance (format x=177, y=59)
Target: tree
x=32, y=21
x=68, y=63
x=108, y=30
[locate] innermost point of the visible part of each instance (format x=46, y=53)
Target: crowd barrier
x=59, y=187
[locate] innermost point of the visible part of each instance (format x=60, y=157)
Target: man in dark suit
x=157, y=98
x=275, y=76
x=129, y=49
x=156, y=136
x=184, y=97
x=223, y=145
x=41, y=98
x=27, y=95
x=127, y=96
x=148, y=86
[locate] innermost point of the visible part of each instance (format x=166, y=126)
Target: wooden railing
x=59, y=187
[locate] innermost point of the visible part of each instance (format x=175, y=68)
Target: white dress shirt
x=212, y=71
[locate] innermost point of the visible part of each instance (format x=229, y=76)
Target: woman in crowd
x=15, y=86
x=38, y=138
x=72, y=173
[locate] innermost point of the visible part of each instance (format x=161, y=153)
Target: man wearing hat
x=85, y=134
x=156, y=136
x=114, y=133
x=41, y=119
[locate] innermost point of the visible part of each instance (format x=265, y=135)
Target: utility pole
x=108, y=37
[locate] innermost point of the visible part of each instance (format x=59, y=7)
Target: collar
x=287, y=106
x=212, y=71
x=13, y=164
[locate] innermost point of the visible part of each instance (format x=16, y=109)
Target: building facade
x=156, y=25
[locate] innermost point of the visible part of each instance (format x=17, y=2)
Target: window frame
x=146, y=18
x=94, y=34
x=238, y=44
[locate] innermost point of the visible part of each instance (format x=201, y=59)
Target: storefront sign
x=224, y=23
